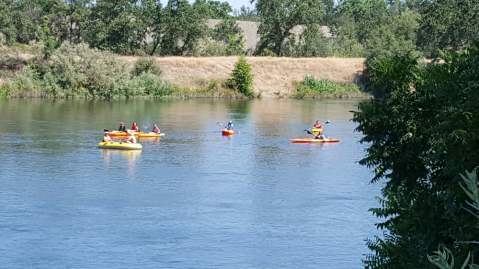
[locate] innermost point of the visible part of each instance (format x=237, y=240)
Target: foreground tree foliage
x=423, y=131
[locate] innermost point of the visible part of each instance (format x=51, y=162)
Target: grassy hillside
x=273, y=76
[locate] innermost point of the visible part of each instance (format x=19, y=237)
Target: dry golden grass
x=273, y=76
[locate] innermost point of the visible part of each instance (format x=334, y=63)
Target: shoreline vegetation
x=78, y=71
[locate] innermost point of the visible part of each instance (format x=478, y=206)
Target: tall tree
x=214, y=9
x=379, y=26
x=246, y=13
x=7, y=30
x=184, y=26
x=78, y=12
x=279, y=17
x=448, y=24
x=116, y=25
x=230, y=34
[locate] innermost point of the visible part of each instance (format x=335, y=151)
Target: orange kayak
x=137, y=134
x=314, y=140
x=227, y=132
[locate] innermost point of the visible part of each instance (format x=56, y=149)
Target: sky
x=236, y=4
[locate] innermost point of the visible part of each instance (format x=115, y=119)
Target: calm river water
x=194, y=199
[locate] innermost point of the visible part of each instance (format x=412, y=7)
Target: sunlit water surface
x=194, y=199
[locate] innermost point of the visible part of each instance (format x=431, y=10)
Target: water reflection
x=110, y=157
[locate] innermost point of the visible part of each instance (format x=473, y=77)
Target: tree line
x=358, y=27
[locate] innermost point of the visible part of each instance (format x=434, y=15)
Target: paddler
x=155, y=129
x=122, y=127
x=229, y=126
x=134, y=127
x=131, y=138
x=107, y=138
x=317, y=129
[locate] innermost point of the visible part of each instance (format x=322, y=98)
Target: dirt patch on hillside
x=273, y=76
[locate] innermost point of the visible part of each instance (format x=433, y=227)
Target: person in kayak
x=229, y=126
x=122, y=127
x=317, y=130
x=156, y=129
x=107, y=138
x=134, y=127
x=131, y=138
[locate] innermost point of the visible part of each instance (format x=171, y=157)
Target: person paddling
x=107, y=138
x=122, y=127
x=156, y=129
x=229, y=126
x=131, y=138
x=134, y=127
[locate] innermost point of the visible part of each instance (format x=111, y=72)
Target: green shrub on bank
x=78, y=71
x=25, y=84
x=242, y=78
x=148, y=84
x=311, y=87
x=146, y=65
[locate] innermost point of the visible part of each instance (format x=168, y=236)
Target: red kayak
x=314, y=140
x=227, y=132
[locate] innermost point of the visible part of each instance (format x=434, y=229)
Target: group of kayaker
x=130, y=133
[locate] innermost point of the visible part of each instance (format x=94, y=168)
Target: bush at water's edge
x=77, y=71
x=311, y=87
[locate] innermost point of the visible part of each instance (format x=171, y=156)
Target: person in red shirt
x=134, y=127
x=318, y=125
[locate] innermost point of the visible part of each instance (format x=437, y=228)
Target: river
x=194, y=199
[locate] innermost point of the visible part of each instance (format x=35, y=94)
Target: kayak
x=120, y=145
x=227, y=132
x=138, y=134
x=314, y=140
x=149, y=135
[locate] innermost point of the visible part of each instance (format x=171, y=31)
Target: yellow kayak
x=314, y=140
x=120, y=145
x=137, y=134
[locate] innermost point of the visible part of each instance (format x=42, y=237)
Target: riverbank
x=76, y=71
x=272, y=76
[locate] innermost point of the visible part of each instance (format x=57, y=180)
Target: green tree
x=311, y=43
x=230, y=34
x=184, y=26
x=279, y=17
x=7, y=30
x=242, y=78
x=422, y=129
x=214, y=9
x=246, y=14
x=116, y=25
x=379, y=26
x=78, y=12
x=448, y=24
